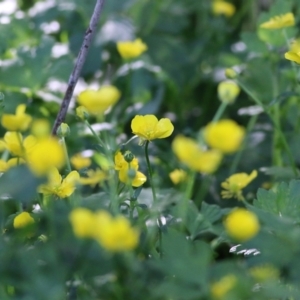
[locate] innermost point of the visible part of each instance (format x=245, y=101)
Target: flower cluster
x=114, y=234
x=127, y=165
x=278, y=22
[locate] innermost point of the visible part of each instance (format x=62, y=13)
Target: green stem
x=283, y=139
x=150, y=173
x=95, y=134
x=219, y=112
x=238, y=155
x=69, y=168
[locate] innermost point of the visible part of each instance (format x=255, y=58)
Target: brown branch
x=78, y=65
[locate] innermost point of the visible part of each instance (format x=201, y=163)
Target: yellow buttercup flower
x=13, y=141
x=241, y=224
x=278, y=22
x=234, y=184
x=59, y=187
x=220, y=288
x=190, y=153
x=223, y=8
x=294, y=53
x=93, y=177
x=224, y=135
x=6, y=165
x=130, y=49
x=263, y=273
x=18, y=122
x=22, y=220
x=83, y=222
x=40, y=128
x=148, y=127
x=228, y=91
x=178, y=176
x=97, y=102
x=46, y=154
x=128, y=171
x=115, y=234
x=79, y=162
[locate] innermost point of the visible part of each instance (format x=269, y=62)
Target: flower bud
x=228, y=91
x=63, y=130
x=82, y=113
x=128, y=156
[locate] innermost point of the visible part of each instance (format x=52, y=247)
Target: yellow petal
x=295, y=57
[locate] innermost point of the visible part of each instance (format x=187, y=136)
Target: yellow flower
x=224, y=135
x=60, y=187
x=16, y=145
x=128, y=171
x=234, y=184
x=6, y=165
x=241, y=224
x=40, y=128
x=188, y=152
x=79, y=162
x=228, y=91
x=220, y=288
x=264, y=273
x=278, y=22
x=223, y=8
x=294, y=53
x=115, y=234
x=178, y=176
x=23, y=219
x=83, y=222
x=93, y=177
x=130, y=49
x=149, y=128
x=18, y=122
x=46, y=154
x=97, y=102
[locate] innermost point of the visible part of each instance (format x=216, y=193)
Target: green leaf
x=283, y=201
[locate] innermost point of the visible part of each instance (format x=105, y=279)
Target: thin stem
x=238, y=155
x=78, y=65
x=95, y=134
x=150, y=172
x=283, y=139
x=69, y=168
x=219, y=112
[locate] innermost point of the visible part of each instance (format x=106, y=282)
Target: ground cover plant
x=153, y=155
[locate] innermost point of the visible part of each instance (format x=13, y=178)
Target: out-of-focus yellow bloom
x=82, y=112
x=148, y=127
x=241, y=224
x=228, y=91
x=294, y=53
x=278, y=22
x=264, y=273
x=220, y=288
x=128, y=171
x=16, y=145
x=93, y=177
x=178, y=176
x=224, y=135
x=6, y=165
x=223, y=8
x=46, y=154
x=18, y=122
x=234, y=184
x=188, y=152
x=97, y=102
x=115, y=234
x=40, y=128
x=60, y=187
x=130, y=49
x=22, y=220
x=79, y=162
x=83, y=222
